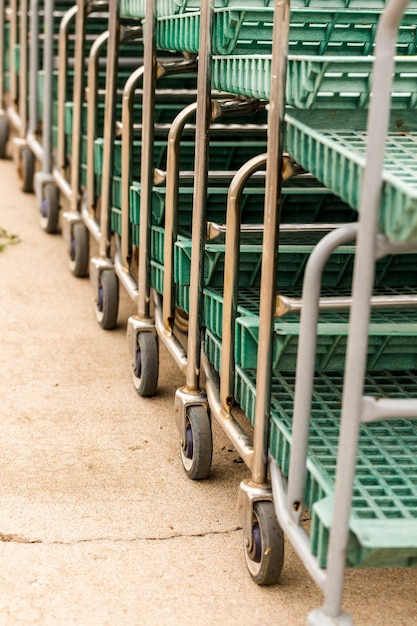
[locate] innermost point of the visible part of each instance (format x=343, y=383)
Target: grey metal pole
x=48, y=77
x=12, y=46
x=231, y=271
x=33, y=64
x=127, y=141
x=146, y=174
x=92, y=106
x=363, y=278
x=109, y=128
x=270, y=241
x=62, y=85
x=2, y=54
x=203, y=119
x=171, y=210
x=23, y=68
x=77, y=111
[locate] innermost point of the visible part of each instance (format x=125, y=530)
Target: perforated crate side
x=332, y=147
x=392, y=342
x=213, y=347
x=383, y=520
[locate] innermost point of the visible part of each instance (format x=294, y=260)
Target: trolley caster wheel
x=50, y=209
x=79, y=250
x=4, y=136
x=264, y=561
x=197, y=449
x=145, y=373
x=107, y=300
x=26, y=170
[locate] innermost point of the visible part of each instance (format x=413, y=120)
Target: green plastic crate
x=235, y=30
x=359, y=5
x=216, y=205
x=248, y=301
x=320, y=81
x=116, y=225
x=240, y=30
x=383, y=521
x=392, y=341
x=213, y=349
x=332, y=147
x=157, y=244
x=6, y=44
x=294, y=251
x=157, y=277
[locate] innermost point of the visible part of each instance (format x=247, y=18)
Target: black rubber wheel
x=197, y=449
x=145, y=373
x=4, y=136
x=108, y=300
x=26, y=170
x=79, y=250
x=265, y=560
x=50, y=208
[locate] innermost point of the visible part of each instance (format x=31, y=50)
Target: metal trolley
x=278, y=269
x=120, y=47
x=125, y=146
x=28, y=37
x=77, y=32
x=296, y=414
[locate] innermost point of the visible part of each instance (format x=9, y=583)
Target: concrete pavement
x=98, y=523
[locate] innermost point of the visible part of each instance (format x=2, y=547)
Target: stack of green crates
x=329, y=67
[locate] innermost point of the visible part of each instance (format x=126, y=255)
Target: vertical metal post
x=13, y=51
x=33, y=64
x=2, y=53
x=109, y=127
x=203, y=119
x=127, y=145
x=146, y=175
x=63, y=82
x=363, y=278
x=171, y=211
x=78, y=98
x=271, y=238
x=23, y=68
x=231, y=278
x=48, y=78
x=92, y=108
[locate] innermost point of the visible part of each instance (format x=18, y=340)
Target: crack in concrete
x=11, y=538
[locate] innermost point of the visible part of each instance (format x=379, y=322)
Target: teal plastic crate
x=359, y=5
x=157, y=277
x=159, y=156
x=248, y=301
x=6, y=44
x=248, y=30
x=294, y=251
x=216, y=205
x=213, y=349
x=314, y=82
x=332, y=146
x=136, y=8
x=157, y=244
x=392, y=341
x=116, y=225
x=307, y=204
x=235, y=30
x=383, y=521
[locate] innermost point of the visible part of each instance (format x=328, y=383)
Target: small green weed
x=7, y=239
